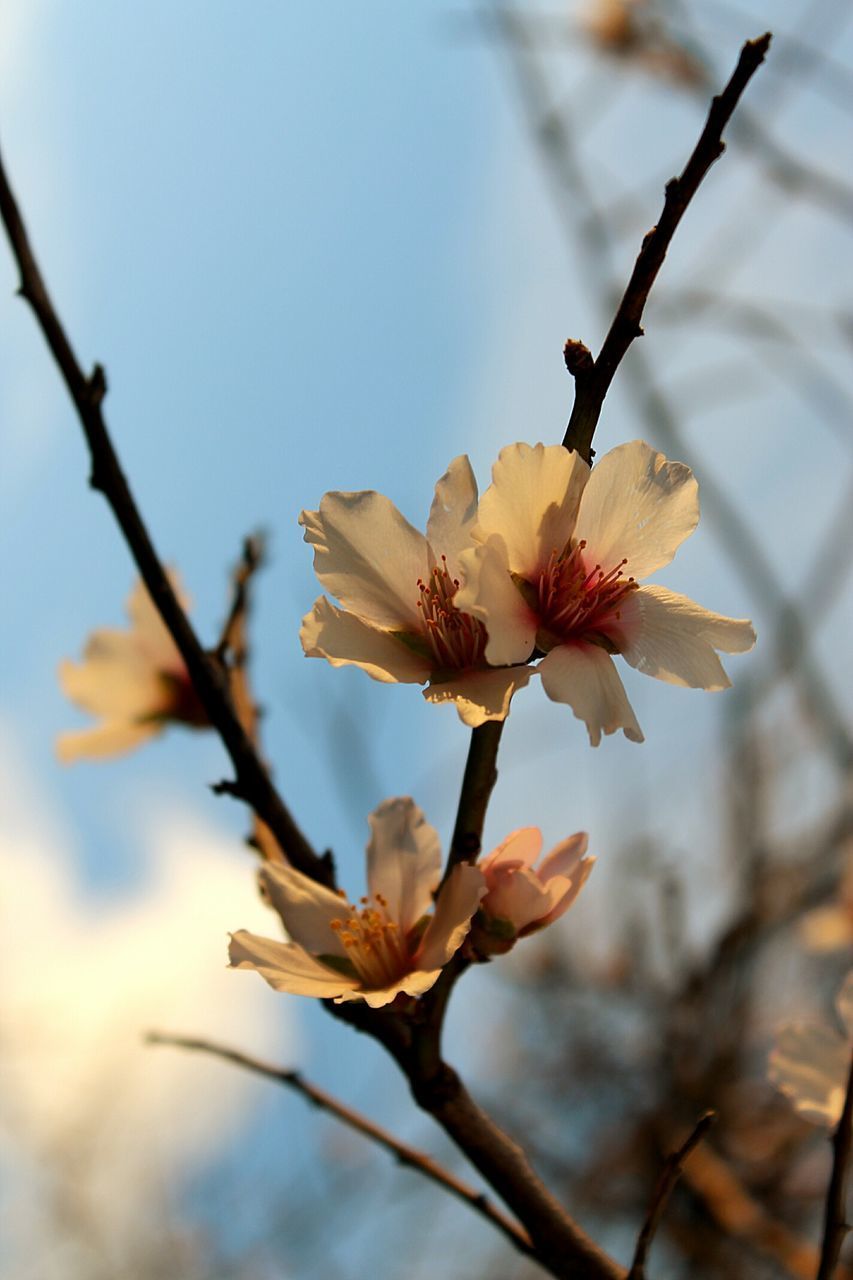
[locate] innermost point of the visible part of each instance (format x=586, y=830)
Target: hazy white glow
x=82, y=982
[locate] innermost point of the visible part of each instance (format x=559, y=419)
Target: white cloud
x=82, y=981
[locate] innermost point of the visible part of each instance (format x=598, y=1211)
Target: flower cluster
x=545, y=569
x=539, y=576
x=400, y=619
x=393, y=943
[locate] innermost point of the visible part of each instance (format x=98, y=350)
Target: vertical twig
x=835, y=1225
x=670, y=1174
x=209, y=679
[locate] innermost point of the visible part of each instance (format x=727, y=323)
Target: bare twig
x=740, y=1215
x=670, y=1174
x=233, y=652
x=558, y=1243
x=401, y=1151
x=233, y=638
x=478, y=782
x=835, y=1225
x=577, y=209
x=561, y=1245
x=252, y=783
x=591, y=386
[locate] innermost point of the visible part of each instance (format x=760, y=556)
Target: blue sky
x=314, y=249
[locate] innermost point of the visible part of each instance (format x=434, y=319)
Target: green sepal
x=497, y=927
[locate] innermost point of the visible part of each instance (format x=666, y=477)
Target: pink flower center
x=373, y=943
x=457, y=639
x=573, y=600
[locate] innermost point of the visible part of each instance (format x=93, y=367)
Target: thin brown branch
x=835, y=1225
x=555, y=137
x=478, y=782
x=233, y=651
x=592, y=385
x=233, y=638
x=252, y=782
x=560, y=1245
x=670, y=1174
x=740, y=1215
x=401, y=1151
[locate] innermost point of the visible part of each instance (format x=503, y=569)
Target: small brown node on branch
x=578, y=358
x=97, y=385
x=227, y=788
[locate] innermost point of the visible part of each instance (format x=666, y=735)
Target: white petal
x=521, y=846
x=449, y=925
x=481, y=695
x=518, y=895
x=674, y=639
x=573, y=888
x=453, y=512
x=810, y=1065
x=584, y=676
x=307, y=909
x=403, y=860
x=115, y=678
x=563, y=859
x=113, y=738
x=369, y=556
x=637, y=506
x=343, y=639
x=286, y=967
x=152, y=633
x=844, y=1003
x=412, y=984
x=489, y=593
x=532, y=503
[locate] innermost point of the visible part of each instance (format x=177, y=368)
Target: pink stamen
x=575, y=600
x=457, y=639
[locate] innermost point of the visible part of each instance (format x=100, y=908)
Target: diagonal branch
x=207, y=672
x=561, y=1246
x=592, y=383
x=670, y=1174
x=401, y=1151
x=556, y=1241
x=478, y=782
x=233, y=651
x=579, y=212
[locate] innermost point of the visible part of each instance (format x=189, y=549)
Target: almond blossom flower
x=559, y=550
x=811, y=1064
x=385, y=946
x=134, y=680
x=400, y=620
x=520, y=898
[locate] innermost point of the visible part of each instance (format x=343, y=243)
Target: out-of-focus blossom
x=631, y=30
x=135, y=681
x=830, y=928
x=387, y=945
x=521, y=898
x=811, y=1064
x=399, y=619
x=560, y=548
